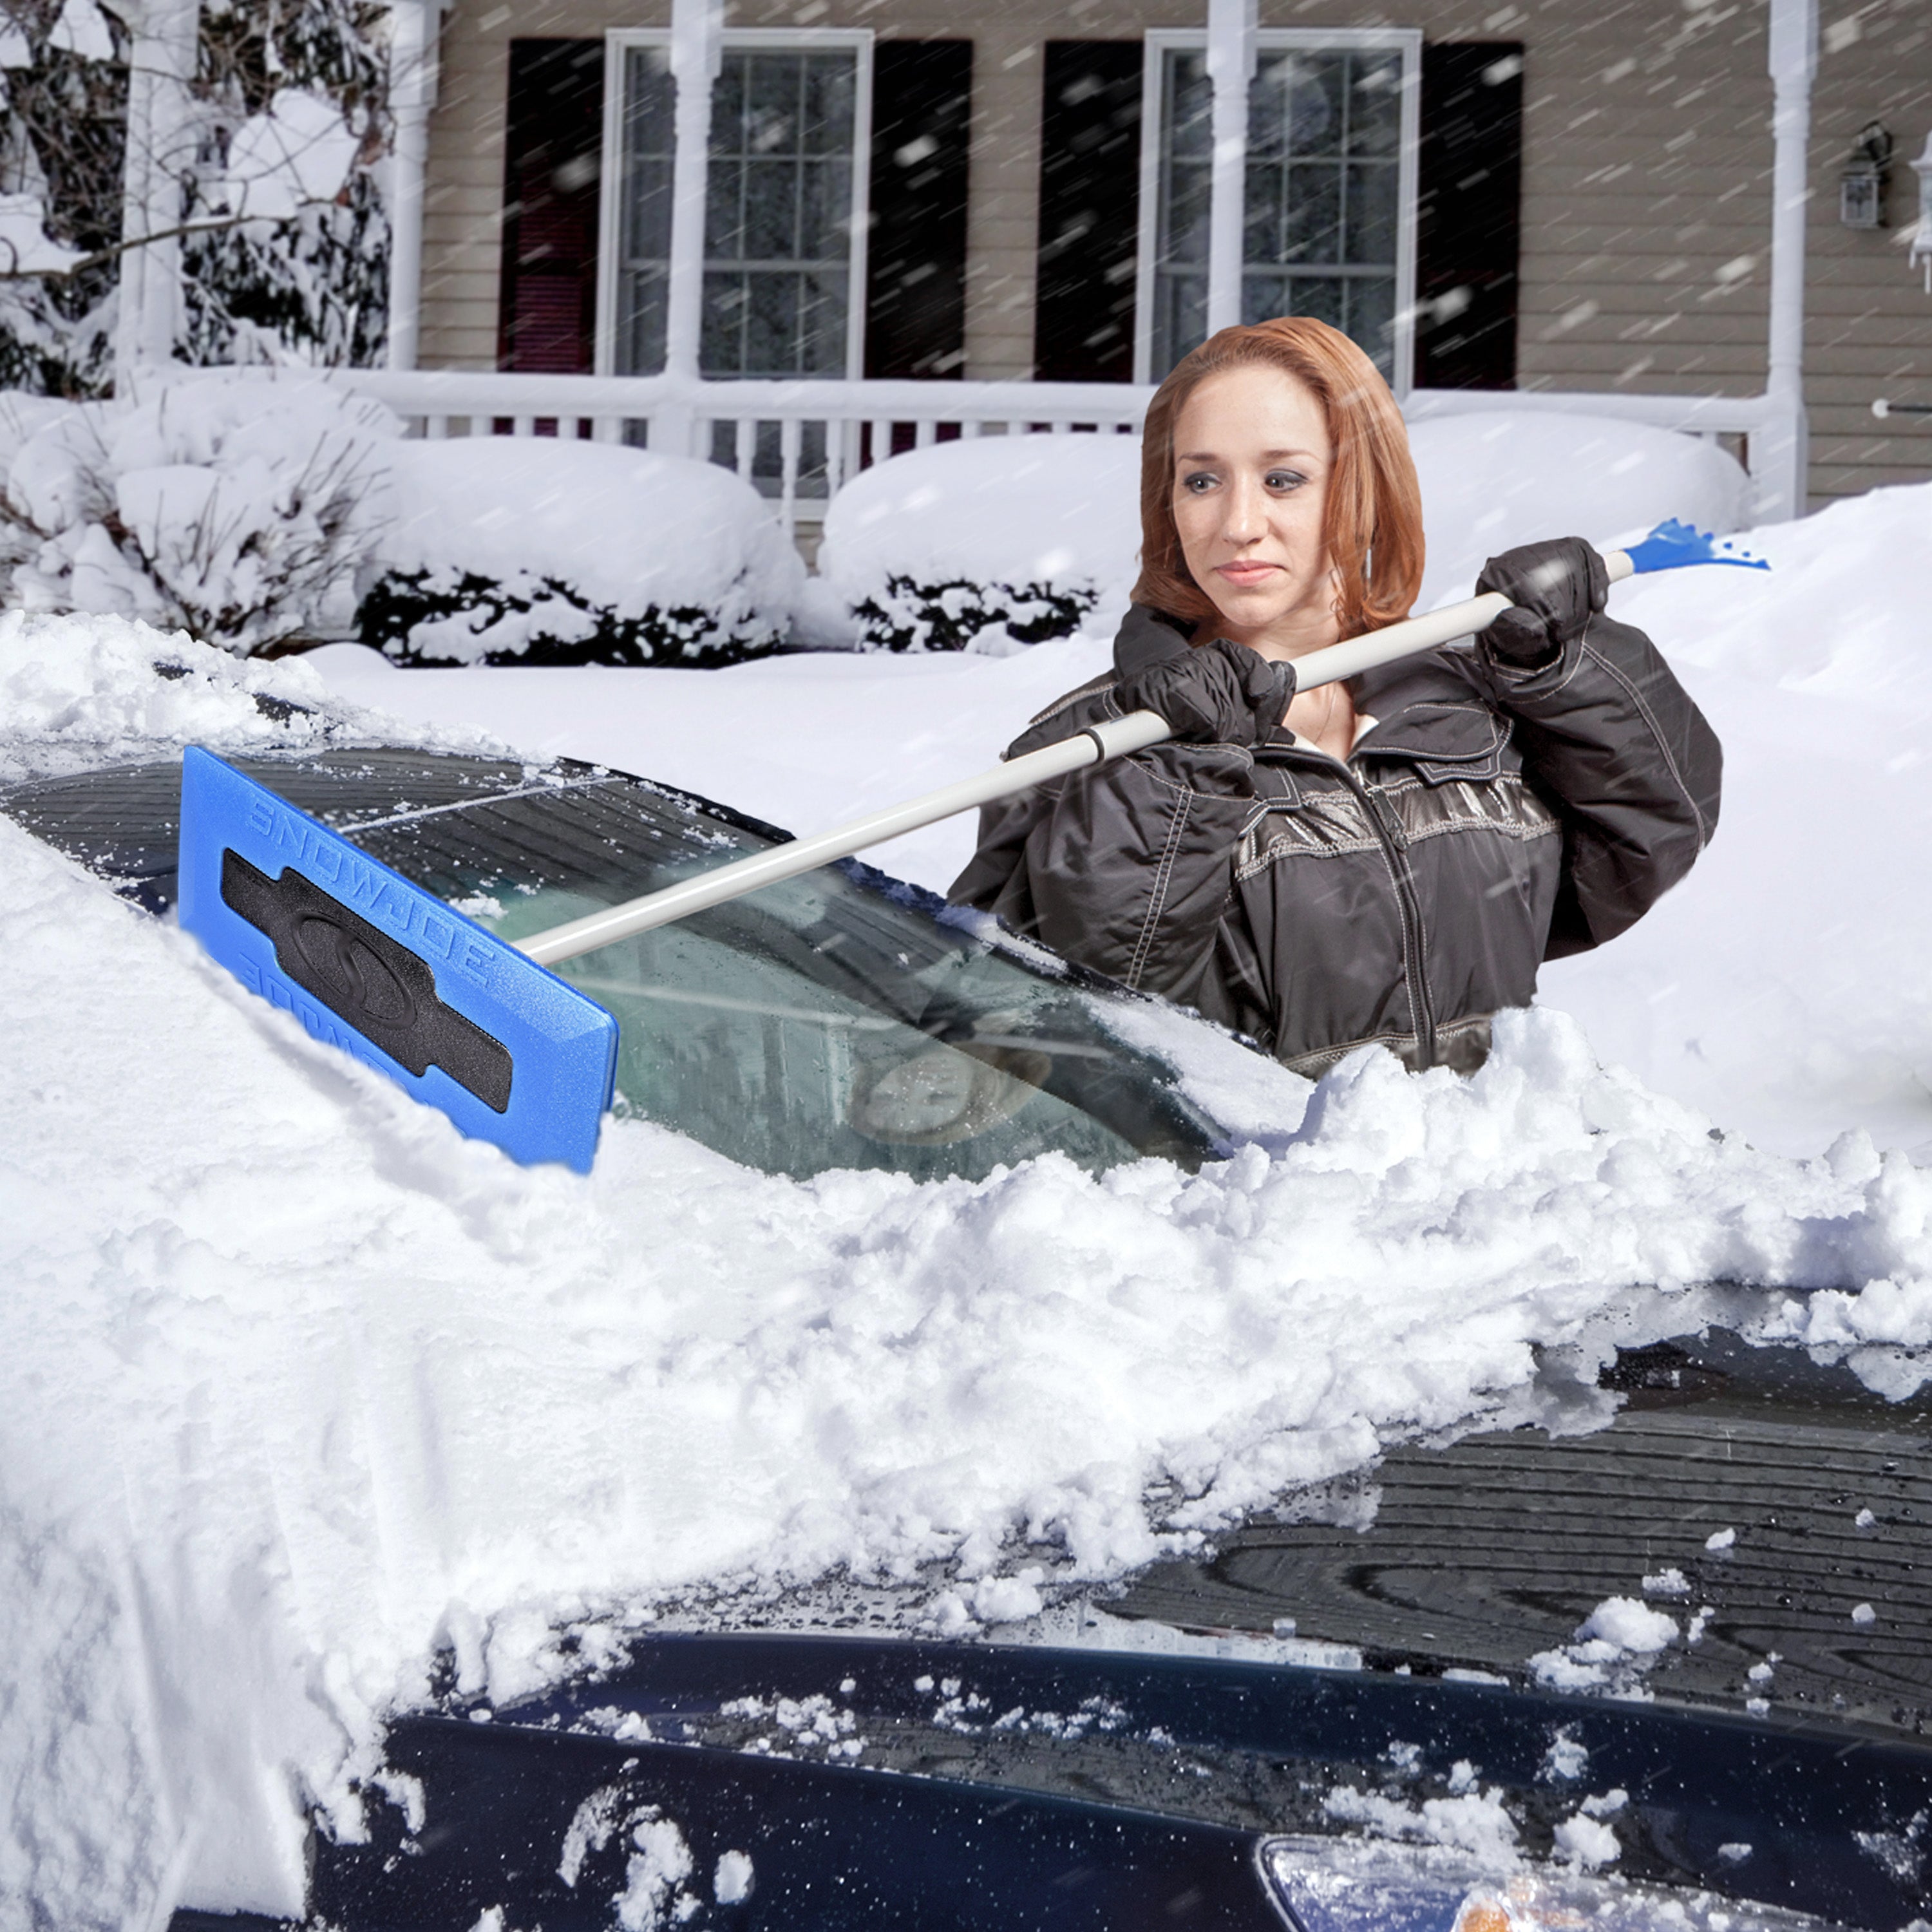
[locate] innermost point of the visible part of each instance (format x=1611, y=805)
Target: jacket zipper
x=1388, y=830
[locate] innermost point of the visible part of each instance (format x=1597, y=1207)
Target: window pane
x=722, y=329
x=1322, y=186
x=771, y=324
x=724, y=207
x=1371, y=222
x=643, y=223
x=770, y=229
x=1320, y=296
x=1375, y=106
x=778, y=214
x=1264, y=296
x=640, y=320
x=1295, y=107
x=827, y=126
x=1371, y=318
x=1188, y=127
x=1312, y=230
x=825, y=210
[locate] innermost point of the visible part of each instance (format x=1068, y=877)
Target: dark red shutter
x=1089, y=211
x=1468, y=215
x=548, y=310
x=916, y=257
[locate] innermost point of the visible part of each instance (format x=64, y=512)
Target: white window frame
x=1406, y=40
x=618, y=42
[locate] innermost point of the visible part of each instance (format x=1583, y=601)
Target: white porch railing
x=799, y=442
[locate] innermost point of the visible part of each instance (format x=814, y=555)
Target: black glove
x=1555, y=588
x=1215, y=694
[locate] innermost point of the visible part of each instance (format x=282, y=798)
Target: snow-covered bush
x=986, y=545
x=1499, y=477
x=532, y=549
x=1007, y=540
x=240, y=511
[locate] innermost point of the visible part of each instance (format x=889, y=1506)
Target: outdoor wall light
x=1862, y=185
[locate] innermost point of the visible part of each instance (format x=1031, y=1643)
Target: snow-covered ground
x=302, y=1386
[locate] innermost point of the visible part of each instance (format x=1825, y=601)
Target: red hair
x=1373, y=510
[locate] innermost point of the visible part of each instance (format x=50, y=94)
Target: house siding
x=1646, y=167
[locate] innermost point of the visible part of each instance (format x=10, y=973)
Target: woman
x=1387, y=860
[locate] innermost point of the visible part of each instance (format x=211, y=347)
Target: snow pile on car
x=985, y=544
x=538, y=551
x=304, y=1387
x=78, y=693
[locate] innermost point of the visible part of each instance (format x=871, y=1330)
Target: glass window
x=1322, y=233
x=643, y=226
x=837, y=1020
x=780, y=212
x=829, y=1022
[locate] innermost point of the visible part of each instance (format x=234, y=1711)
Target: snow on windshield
x=302, y=1387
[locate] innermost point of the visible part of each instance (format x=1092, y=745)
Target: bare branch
x=215, y=225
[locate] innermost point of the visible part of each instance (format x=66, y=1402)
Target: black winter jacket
x=1493, y=818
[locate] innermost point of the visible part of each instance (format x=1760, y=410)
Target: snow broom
x=480, y=1027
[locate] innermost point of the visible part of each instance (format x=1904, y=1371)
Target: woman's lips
x=1243, y=574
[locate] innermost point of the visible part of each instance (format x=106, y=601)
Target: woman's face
x=1251, y=467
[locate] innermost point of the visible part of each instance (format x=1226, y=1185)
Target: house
x=1557, y=197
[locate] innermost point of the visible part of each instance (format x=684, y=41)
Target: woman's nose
x=1243, y=518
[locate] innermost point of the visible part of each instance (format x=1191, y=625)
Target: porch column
x=412, y=77
x=697, y=44
x=1780, y=451
x=1231, y=67
x=161, y=149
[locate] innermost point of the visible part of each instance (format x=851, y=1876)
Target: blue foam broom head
x=1673, y=544
x=377, y=966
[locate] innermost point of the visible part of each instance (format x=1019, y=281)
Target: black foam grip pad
x=368, y=980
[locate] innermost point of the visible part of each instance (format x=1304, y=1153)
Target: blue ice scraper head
x=1673, y=545
x=385, y=970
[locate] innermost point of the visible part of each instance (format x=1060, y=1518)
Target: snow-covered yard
x=303, y=1387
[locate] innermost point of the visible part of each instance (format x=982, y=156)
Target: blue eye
x=1199, y=482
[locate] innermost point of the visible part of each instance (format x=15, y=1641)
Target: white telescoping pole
x=1112, y=738
x=1231, y=68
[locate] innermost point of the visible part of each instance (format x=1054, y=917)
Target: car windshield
x=836, y=1020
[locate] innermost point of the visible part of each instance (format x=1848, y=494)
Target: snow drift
x=1495, y=477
